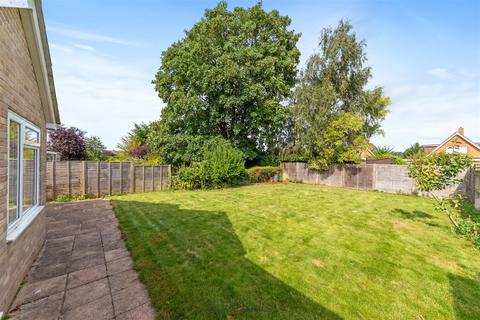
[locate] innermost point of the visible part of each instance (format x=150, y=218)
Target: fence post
x=132, y=177
x=143, y=179
x=98, y=179
x=109, y=178
x=54, y=191
x=68, y=178
x=169, y=172
x=84, y=177
x=121, y=177
x=153, y=177
x=161, y=177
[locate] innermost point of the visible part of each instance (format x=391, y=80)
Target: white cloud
x=88, y=36
x=440, y=73
x=430, y=112
x=83, y=47
x=100, y=94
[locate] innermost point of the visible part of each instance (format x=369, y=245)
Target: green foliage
x=228, y=76
x=469, y=220
x=177, y=149
x=438, y=171
x=341, y=141
x=135, y=138
x=262, y=174
x=414, y=151
x=383, y=152
x=222, y=166
x=332, y=93
x=74, y=197
x=95, y=149
x=386, y=152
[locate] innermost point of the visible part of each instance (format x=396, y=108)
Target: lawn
x=293, y=251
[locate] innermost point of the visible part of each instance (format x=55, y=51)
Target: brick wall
x=18, y=93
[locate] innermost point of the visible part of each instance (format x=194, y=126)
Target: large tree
x=228, y=77
x=333, y=113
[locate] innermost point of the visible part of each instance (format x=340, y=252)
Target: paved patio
x=84, y=270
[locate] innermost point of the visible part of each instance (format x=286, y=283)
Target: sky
x=425, y=54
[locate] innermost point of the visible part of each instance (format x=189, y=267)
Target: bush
x=188, y=178
x=69, y=142
x=222, y=166
x=262, y=174
x=469, y=220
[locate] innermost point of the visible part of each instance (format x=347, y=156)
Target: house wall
x=459, y=141
x=19, y=93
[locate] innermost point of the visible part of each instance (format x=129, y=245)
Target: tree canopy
x=332, y=92
x=68, y=142
x=228, y=77
x=95, y=148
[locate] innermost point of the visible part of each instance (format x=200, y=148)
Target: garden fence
x=99, y=178
x=382, y=177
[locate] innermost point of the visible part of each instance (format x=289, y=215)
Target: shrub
x=69, y=142
x=222, y=165
x=188, y=178
x=262, y=174
x=438, y=171
x=469, y=220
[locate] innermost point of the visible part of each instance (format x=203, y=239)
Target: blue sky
x=426, y=55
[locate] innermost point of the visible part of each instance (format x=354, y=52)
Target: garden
x=233, y=239
x=295, y=251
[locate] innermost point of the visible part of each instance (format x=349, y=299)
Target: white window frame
x=457, y=149
x=25, y=217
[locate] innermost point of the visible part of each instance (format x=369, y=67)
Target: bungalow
x=457, y=142
x=28, y=106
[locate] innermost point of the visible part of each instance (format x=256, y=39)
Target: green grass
x=296, y=251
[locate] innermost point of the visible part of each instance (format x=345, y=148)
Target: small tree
x=95, y=148
x=414, y=151
x=69, y=142
x=436, y=172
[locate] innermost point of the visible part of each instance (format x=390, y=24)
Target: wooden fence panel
x=98, y=178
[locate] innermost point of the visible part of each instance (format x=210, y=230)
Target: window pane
x=13, y=168
x=31, y=135
x=29, y=178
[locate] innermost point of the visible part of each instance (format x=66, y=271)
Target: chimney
x=461, y=131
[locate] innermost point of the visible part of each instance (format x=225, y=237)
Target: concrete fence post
x=132, y=177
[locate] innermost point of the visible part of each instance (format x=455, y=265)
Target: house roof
x=34, y=27
x=457, y=134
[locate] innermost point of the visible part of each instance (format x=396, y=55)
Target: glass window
x=457, y=149
x=29, y=178
x=23, y=169
x=31, y=135
x=13, y=156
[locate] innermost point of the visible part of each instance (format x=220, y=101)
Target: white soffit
x=15, y=4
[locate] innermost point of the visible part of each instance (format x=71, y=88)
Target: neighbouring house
x=28, y=107
x=367, y=154
x=456, y=143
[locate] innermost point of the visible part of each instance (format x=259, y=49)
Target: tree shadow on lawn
x=193, y=265
x=465, y=296
x=417, y=215
x=413, y=215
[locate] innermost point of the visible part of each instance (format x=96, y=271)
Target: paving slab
x=84, y=270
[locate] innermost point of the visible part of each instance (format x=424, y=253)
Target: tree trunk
x=450, y=217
